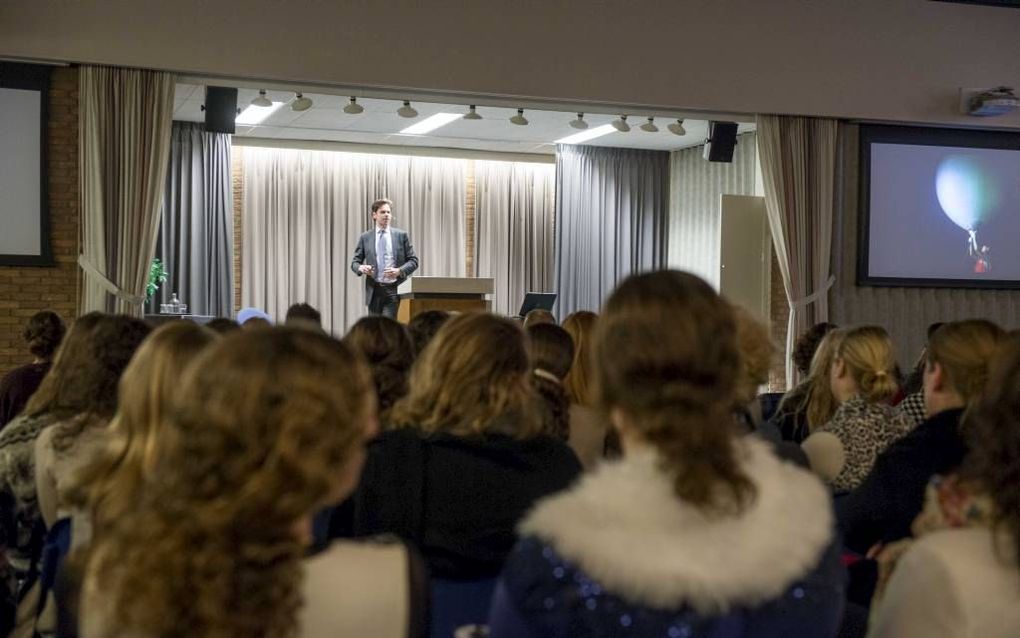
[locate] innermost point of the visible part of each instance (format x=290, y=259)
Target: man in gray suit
x=386, y=258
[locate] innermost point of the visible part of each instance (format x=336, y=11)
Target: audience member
x=222, y=325
x=657, y=543
x=882, y=508
x=302, y=315
x=806, y=346
x=810, y=404
x=551, y=351
x=963, y=580
x=538, y=316
x=387, y=348
x=269, y=426
x=913, y=404
x=589, y=426
x=43, y=334
x=467, y=458
x=844, y=450
x=256, y=317
x=424, y=326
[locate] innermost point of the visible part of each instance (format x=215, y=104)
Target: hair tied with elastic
x=881, y=374
x=545, y=374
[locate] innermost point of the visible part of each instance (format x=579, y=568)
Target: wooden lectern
x=452, y=294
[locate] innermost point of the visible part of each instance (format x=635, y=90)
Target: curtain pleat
x=196, y=232
x=303, y=212
x=798, y=163
x=695, y=196
x=611, y=220
x=124, y=130
x=514, y=226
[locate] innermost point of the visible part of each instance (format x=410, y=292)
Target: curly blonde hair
x=108, y=485
x=473, y=372
x=262, y=426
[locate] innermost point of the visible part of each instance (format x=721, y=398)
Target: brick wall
x=779, y=311
x=469, y=213
x=25, y=291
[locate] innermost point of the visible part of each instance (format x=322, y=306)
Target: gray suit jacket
x=403, y=257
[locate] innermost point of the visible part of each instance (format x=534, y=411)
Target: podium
x=452, y=294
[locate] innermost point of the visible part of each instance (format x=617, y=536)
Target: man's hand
x=391, y=272
x=365, y=269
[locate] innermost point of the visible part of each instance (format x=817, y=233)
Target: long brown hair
x=552, y=352
x=580, y=326
x=475, y=371
x=386, y=346
x=108, y=485
x=964, y=349
x=666, y=357
x=58, y=394
x=993, y=435
x=263, y=424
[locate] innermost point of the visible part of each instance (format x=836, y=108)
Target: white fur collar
x=623, y=525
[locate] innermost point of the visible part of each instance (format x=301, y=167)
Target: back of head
x=993, y=436
x=258, y=315
x=867, y=353
x=424, y=326
x=88, y=367
x=474, y=371
x=552, y=352
x=264, y=423
x=387, y=348
x=756, y=353
x=963, y=349
x=43, y=334
x=303, y=315
x=146, y=388
x=580, y=326
x=821, y=404
x=667, y=363
x=807, y=344
x=538, y=316
x=222, y=325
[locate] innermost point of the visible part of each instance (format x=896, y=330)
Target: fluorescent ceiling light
x=431, y=123
x=590, y=134
x=255, y=114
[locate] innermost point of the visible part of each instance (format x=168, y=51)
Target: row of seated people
x=238, y=485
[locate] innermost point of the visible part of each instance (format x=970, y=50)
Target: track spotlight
x=472, y=114
x=262, y=100
x=650, y=126
x=519, y=119
x=579, y=123
x=407, y=110
x=621, y=124
x=302, y=103
x=353, y=108
x=677, y=128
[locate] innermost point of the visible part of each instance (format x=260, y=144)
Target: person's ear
x=938, y=376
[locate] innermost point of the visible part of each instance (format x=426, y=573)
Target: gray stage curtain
x=196, y=231
x=514, y=229
x=303, y=211
x=611, y=207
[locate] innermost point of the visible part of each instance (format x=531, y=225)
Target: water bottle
x=175, y=304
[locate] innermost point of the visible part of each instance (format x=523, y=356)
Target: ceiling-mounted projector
x=997, y=101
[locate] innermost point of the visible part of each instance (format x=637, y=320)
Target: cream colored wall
x=900, y=60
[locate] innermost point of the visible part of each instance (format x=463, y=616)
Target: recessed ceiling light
x=255, y=114
x=302, y=103
x=261, y=99
x=353, y=108
x=407, y=110
x=519, y=119
x=677, y=128
x=472, y=114
x=590, y=134
x=650, y=126
x=579, y=123
x=621, y=124
x=431, y=123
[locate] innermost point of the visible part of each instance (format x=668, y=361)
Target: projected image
x=939, y=212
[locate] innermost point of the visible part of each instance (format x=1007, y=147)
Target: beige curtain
x=303, y=212
x=798, y=164
x=124, y=132
x=514, y=229
x=696, y=188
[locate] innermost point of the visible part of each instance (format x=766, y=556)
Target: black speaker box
x=722, y=137
x=220, y=109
